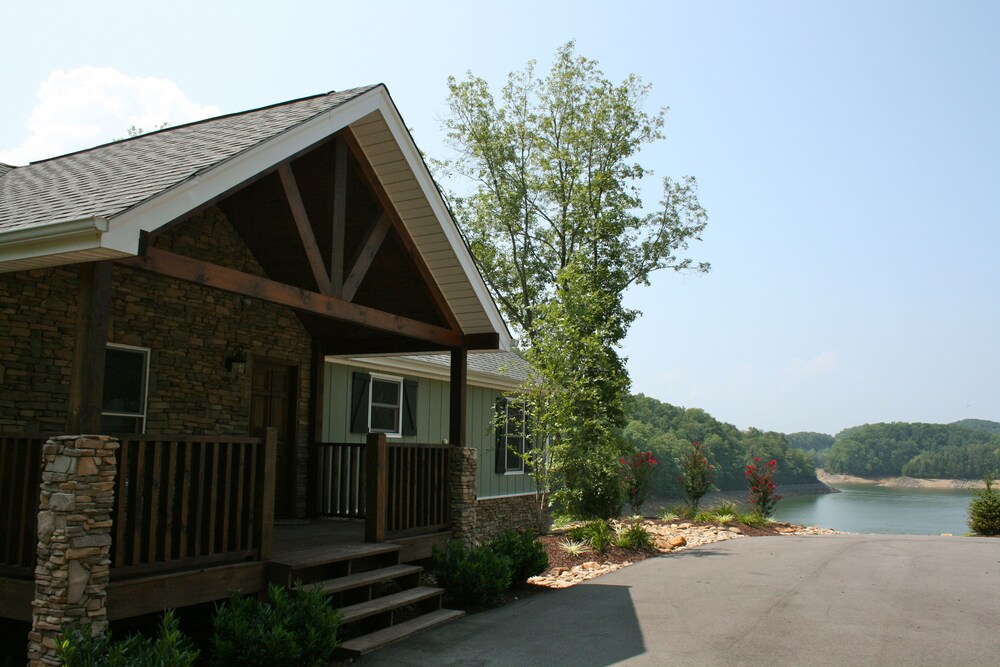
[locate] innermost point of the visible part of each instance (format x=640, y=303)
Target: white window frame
x=523, y=436
x=398, y=381
x=146, y=352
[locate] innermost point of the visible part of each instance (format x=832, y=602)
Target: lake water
x=867, y=508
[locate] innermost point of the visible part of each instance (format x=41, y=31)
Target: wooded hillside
x=951, y=451
x=667, y=430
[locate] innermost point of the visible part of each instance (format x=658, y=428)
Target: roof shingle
x=110, y=179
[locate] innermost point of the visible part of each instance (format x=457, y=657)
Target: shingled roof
x=105, y=181
x=94, y=205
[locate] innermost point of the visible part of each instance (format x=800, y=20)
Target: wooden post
x=270, y=436
x=457, y=405
x=86, y=387
x=316, y=379
x=376, y=487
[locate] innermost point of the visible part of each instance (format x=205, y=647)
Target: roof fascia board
x=450, y=228
x=57, y=238
x=425, y=370
x=215, y=181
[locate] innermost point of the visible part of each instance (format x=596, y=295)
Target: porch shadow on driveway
x=586, y=626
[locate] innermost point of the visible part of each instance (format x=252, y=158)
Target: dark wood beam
x=481, y=341
x=369, y=248
x=196, y=271
x=86, y=387
x=371, y=179
x=457, y=393
x=339, y=216
x=306, y=235
x=341, y=346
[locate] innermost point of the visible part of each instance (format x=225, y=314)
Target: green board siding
x=432, y=424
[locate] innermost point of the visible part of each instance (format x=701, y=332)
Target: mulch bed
x=559, y=558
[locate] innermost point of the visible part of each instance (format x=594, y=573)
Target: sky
x=847, y=153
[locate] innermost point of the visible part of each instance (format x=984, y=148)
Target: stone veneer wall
x=74, y=541
x=475, y=521
x=462, y=473
x=188, y=329
x=495, y=515
x=37, y=329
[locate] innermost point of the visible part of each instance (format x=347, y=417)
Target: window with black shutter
x=512, y=437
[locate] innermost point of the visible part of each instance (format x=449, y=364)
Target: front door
x=273, y=404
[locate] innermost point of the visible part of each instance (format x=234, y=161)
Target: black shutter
x=409, y=407
x=359, y=402
x=500, y=426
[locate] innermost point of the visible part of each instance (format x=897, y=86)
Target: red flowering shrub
x=697, y=474
x=636, y=471
x=762, y=495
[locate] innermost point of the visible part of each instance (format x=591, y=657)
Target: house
x=417, y=387
x=200, y=296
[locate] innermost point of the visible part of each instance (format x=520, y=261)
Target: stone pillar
x=463, y=493
x=74, y=541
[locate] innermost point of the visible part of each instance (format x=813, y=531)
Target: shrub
x=475, y=575
x=762, y=494
x=297, y=628
x=634, y=536
x=696, y=475
x=596, y=533
x=171, y=648
x=636, y=472
x=984, y=510
x=528, y=557
x=752, y=519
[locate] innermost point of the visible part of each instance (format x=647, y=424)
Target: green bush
x=297, y=628
x=171, y=648
x=596, y=533
x=984, y=510
x=634, y=536
x=752, y=519
x=475, y=575
x=528, y=557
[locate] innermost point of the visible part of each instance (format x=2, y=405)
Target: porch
x=193, y=516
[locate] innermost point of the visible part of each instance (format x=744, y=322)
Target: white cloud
x=822, y=363
x=87, y=106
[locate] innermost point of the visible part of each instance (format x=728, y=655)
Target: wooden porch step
x=378, y=639
x=379, y=576
x=323, y=555
x=388, y=603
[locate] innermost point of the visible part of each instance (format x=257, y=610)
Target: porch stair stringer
x=380, y=599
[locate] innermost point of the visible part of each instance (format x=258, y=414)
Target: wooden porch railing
x=417, y=488
x=20, y=475
x=405, y=483
x=184, y=500
x=342, y=479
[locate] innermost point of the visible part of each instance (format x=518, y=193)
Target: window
x=512, y=437
x=383, y=404
x=126, y=376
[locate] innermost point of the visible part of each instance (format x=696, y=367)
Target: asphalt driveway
x=816, y=600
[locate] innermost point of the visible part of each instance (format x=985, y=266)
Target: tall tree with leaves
x=556, y=223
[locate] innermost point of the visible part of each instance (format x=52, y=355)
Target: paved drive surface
x=817, y=600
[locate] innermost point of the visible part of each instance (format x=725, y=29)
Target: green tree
x=984, y=510
x=556, y=223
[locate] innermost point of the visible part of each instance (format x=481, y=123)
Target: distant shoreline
x=900, y=482
x=656, y=504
